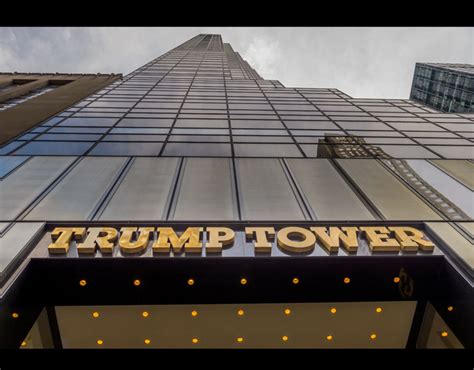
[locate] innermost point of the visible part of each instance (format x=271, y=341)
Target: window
x=138, y=122
x=127, y=149
x=97, y=122
x=266, y=150
x=197, y=150
x=20, y=188
x=265, y=191
x=8, y=164
x=206, y=191
x=327, y=193
x=77, y=195
x=391, y=197
x=143, y=193
x=54, y=148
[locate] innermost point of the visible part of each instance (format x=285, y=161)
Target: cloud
x=263, y=54
x=362, y=62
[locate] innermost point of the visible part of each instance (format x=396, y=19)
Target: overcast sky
x=362, y=62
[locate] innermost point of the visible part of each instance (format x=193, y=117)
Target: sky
x=364, y=62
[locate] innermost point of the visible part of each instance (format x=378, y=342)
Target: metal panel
x=206, y=190
x=265, y=191
x=330, y=197
x=20, y=188
x=144, y=191
x=391, y=197
x=75, y=197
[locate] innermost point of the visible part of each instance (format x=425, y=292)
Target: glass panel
x=197, y=150
x=55, y=148
x=23, y=186
x=14, y=241
x=206, y=190
x=391, y=197
x=461, y=170
x=329, y=196
x=127, y=149
x=460, y=195
x=266, y=150
x=265, y=191
x=144, y=191
x=75, y=197
x=462, y=152
x=8, y=164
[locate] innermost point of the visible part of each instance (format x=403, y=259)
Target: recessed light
x=82, y=282
x=284, y=338
x=373, y=336
x=190, y=281
x=396, y=279
x=378, y=309
x=329, y=337
x=194, y=313
x=287, y=311
x=145, y=314
x=347, y=280
x=243, y=281
x=195, y=340
x=15, y=315
x=240, y=312
x=137, y=282
x=147, y=341
x=333, y=310
x=95, y=314
x=444, y=334
x=240, y=339
x=100, y=342
x=296, y=280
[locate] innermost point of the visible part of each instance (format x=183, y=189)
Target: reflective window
x=391, y=197
x=197, y=150
x=77, y=195
x=457, y=193
x=8, y=164
x=127, y=149
x=98, y=122
x=453, y=151
x=143, y=193
x=266, y=150
x=327, y=193
x=265, y=192
x=20, y=188
x=141, y=122
x=54, y=148
x=206, y=192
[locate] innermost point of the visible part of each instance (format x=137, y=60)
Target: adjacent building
x=194, y=204
x=444, y=87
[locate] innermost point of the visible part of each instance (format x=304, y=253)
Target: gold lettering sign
x=291, y=239
x=62, y=236
x=102, y=237
x=168, y=239
x=127, y=246
x=346, y=235
x=379, y=239
x=306, y=241
x=263, y=234
x=219, y=237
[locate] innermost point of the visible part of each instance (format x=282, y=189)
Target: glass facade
x=445, y=87
x=197, y=136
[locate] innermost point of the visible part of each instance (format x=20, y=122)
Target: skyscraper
x=445, y=87
x=195, y=204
